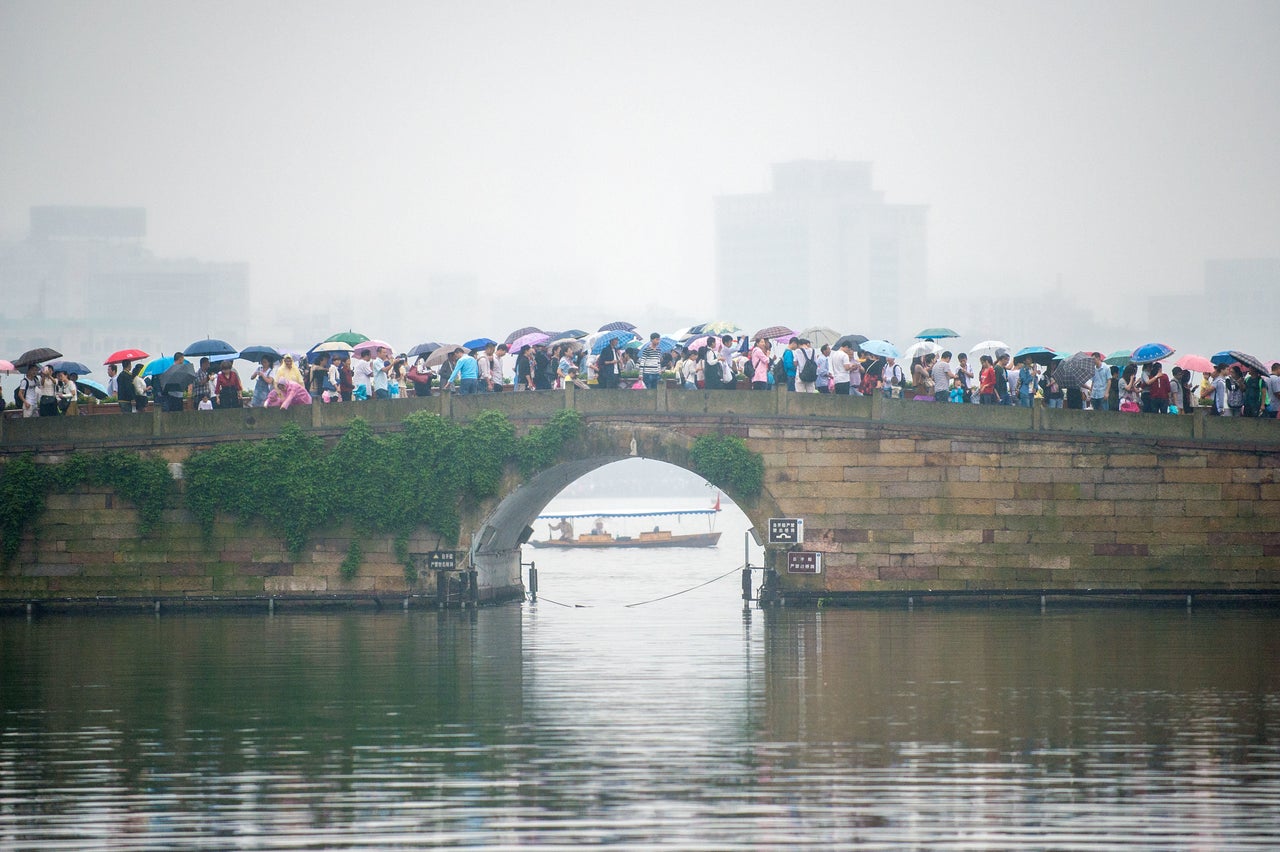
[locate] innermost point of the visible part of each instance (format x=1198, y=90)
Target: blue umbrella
x=1148, y=352
x=1041, y=355
x=92, y=388
x=883, y=348
x=70, y=367
x=257, y=353
x=620, y=335
x=1225, y=358
x=211, y=347
x=157, y=366
x=478, y=343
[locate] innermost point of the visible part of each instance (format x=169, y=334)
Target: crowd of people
x=716, y=362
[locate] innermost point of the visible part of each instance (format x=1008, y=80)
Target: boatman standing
x=564, y=528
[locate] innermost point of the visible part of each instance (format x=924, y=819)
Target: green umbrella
x=1119, y=358
x=351, y=338
x=936, y=334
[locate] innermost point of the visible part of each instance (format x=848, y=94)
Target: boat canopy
x=635, y=514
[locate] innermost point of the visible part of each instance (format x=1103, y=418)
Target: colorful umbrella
x=210, y=347
x=351, y=338
x=1148, y=352
x=70, y=367
x=621, y=336
x=1119, y=358
x=1041, y=355
x=423, y=349
x=126, y=355
x=1195, y=363
x=883, y=348
x=36, y=356
x=1075, y=371
x=936, y=334
x=716, y=327
x=92, y=388
x=521, y=332
x=333, y=348
x=257, y=353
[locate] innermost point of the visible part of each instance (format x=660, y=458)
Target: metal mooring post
x=442, y=589
x=474, y=579
x=533, y=582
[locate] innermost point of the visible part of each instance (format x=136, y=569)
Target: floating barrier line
x=690, y=589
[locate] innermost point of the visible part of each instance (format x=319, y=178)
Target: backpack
x=779, y=372
x=809, y=372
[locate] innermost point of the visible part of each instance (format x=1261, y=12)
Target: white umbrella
x=819, y=335
x=988, y=347
x=922, y=347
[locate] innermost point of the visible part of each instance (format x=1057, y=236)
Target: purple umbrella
x=533, y=338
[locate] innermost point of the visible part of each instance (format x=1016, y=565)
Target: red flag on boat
x=717, y=506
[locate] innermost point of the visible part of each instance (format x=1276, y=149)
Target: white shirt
x=839, y=364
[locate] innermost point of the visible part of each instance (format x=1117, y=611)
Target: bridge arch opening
x=663, y=525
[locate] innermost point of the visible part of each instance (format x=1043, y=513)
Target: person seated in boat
x=565, y=529
x=599, y=529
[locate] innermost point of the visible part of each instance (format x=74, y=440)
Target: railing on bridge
x=155, y=427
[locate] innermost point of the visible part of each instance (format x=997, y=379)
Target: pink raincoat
x=287, y=392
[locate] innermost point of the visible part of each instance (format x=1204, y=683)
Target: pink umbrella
x=6, y=366
x=1195, y=363
x=375, y=345
x=286, y=393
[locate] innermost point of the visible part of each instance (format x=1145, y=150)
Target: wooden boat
x=653, y=538
x=656, y=537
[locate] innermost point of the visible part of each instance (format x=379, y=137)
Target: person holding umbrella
x=125, y=392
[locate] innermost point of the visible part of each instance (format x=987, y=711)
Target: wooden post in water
x=442, y=589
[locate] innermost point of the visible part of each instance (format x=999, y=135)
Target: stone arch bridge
x=899, y=498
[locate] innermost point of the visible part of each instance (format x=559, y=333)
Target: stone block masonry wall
x=896, y=511
x=86, y=545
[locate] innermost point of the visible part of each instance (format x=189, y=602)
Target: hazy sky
x=349, y=144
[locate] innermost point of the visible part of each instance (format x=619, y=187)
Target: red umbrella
x=127, y=355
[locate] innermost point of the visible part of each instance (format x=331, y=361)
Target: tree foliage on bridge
x=421, y=476
x=726, y=461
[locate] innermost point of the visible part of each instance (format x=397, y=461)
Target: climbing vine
x=421, y=476
x=726, y=461
x=25, y=485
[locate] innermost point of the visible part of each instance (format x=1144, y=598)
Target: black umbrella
x=36, y=356
x=1075, y=371
x=423, y=349
x=854, y=341
x=211, y=347
x=179, y=374
x=521, y=332
x=1247, y=360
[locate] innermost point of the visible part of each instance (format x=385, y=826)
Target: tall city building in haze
x=821, y=247
x=84, y=283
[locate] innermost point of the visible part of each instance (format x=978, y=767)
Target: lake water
x=684, y=723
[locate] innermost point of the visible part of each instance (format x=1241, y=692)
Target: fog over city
x=448, y=170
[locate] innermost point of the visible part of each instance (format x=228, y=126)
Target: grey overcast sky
x=348, y=144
